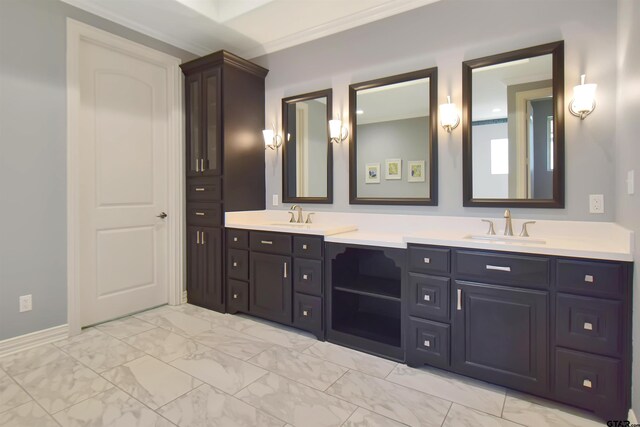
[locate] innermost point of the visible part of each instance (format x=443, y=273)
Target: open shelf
x=373, y=286
x=373, y=327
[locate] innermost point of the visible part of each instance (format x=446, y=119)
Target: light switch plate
x=25, y=303
x=596, y=203
x=274, y=200
x=630, y=182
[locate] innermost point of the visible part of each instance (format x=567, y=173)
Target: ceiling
x=249, y=28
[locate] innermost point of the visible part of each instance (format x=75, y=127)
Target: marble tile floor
x=186, y=366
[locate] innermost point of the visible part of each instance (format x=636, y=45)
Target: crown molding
x=341, y=24
x=135, y=26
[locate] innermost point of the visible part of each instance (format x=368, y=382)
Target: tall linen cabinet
x=225, y=166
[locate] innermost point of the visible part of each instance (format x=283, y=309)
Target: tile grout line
x=444, y=420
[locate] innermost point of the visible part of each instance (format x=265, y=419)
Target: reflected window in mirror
x=513, y=128
x=307, y=166
x=393, y=147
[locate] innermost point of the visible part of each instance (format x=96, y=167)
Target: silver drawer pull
x=588, y=326
x=305, y=277
x=304, y=247
x=266, y=242
x=199, y=189
x=235, y=239
x=498, y=268
x=427, y=343
x=459, y=304
x=305, y=313
x=235, y=264
x=588, y=278
x=285, y=270
x=203, y=242
x=201, y=165
x=197, y=237
x=427, y=260
x=200, y=213
x=587, y=383
x=427, y=297
x=235, y=296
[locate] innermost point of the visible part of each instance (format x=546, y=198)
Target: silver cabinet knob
x=427, y=260
x=427, y=343
x=588, y=278
x=305, y=313
x=235, y=264
x=588, y=326
x=427, y=297
x=235, y=296
x=304, y=247
x=305, y=277
x=235, y=239
x=587, y=383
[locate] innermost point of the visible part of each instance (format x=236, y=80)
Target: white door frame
x=77, y=31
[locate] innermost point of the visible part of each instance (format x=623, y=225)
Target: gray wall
x=542, y=176
x=33, y=158
x=444, y=34
x=628, y=153
x=405, y=139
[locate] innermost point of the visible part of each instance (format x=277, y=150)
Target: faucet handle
x=524, y=232
x=308, y=221
x=491, y=231
x=293, y=217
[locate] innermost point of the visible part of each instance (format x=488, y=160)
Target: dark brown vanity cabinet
x=224, y=100
x=555, y=327
x=278, y=277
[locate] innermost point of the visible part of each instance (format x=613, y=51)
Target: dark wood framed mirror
x=307, y=155
x=513, y=128
x=393, y=148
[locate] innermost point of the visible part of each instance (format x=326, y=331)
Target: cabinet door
x=270, y=287
x=193, y=103
x=501, y=335
x=194, y=269
x=211, y=241
x=212, y=122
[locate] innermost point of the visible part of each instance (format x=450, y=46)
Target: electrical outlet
x=274, y=200
x=25, y=303
x=630, y=183
x=596, y=203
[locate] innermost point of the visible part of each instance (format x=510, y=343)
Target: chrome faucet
x=508, y=227
x=298, y=209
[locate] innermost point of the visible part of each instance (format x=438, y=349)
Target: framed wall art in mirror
x=307, y=156
x=394, y=125
x=513, y=128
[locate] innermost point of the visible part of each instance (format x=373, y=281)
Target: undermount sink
x=506, y=240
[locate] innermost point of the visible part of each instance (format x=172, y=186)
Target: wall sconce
x=271, y=139
x=584, y=99
x=337, y=132
x=449, y=118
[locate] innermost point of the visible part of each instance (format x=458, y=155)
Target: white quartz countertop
x=580, y=239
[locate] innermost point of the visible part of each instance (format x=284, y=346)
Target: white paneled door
x=122, y=168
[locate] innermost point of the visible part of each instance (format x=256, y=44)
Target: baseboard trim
x=34, y=339
x=184, y=297
x=632, y=417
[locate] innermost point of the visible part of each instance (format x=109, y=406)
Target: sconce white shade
x=449, y=118
x=584, y=99
x=337, y=132
x=271, y=140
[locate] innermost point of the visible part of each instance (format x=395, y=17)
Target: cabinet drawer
x=589, y=324
x=307, y=312
x=503, y=269
x=590, y=277
x=276, y=243
x=307, y=247
x=204, y=189
x=429, y=296
x=238, y=239
x=307, y=276
x=238, y=264
x=590, y=381
x=238, y=296
x=428, y=342
x=206, y=215
x=429, y=260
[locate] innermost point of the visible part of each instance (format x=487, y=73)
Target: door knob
x=162, y=215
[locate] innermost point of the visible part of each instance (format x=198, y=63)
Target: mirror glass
x=513, y=130
x=392, y=140
x=307, y=155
